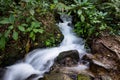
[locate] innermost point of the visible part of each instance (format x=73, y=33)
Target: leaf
x=82, y=18
x=41, y=31
x=35, y=24
x=15, y=35
x=38, y=30
x=32, y=35
x=7, y=33
x=21, y=28
x=79, y=12
x=52, y=6
x=102, y=27
x=10, y=27
x=29, y=29
x=47, y=43
x=32, y=12
x=5, y=21
x=11, y=18
x=2, y=42
x=35, y=30
x=55, y=1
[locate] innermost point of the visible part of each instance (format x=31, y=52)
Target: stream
x=39, y=61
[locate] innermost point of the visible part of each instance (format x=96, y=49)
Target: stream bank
x=104, y=62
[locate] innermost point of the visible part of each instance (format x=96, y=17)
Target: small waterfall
x=39, y=61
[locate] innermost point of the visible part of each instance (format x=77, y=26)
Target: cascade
x=39, y=61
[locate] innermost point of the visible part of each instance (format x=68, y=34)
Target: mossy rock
x=83, y=77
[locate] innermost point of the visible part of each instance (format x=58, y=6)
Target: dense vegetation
x=25, y=20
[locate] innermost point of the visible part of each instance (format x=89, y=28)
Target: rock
x=2, y=72
x=105, y=58
x=32, y=77
x=106, y=77
x=57, y=76
x=92, y=59
x=68, y=58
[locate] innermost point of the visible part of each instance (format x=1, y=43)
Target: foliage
x=19, y=19
x=112, y=7
x=90, y=19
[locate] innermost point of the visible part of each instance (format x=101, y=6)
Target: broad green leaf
x=82, y=18
x=47, y=43
x=15, y=35
x=29, y=29
x=55, y=1
x=32, y=35
x=11, y=18
x=79, y=12
x=52, y=6
x=5, y=21
x=10, y=27
x=41, y=31
x=36, y=30
x=7, y=33
x=24, y=25
x=35, y=24
x=2, y=42
x=21, y=28
x=32, y=11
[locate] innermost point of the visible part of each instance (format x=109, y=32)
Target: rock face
x=105, y=60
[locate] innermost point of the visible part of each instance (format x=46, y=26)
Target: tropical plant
x=88, y=20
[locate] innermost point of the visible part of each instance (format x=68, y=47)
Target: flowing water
x=39, y=61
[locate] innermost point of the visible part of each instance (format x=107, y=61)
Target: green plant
x=21, y=21
x=89, y=20
x=50, y=42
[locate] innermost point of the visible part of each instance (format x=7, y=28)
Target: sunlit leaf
x=82, y=18
x=10, y=27
x=79, y=12
x=21, y=28
x=32, y=11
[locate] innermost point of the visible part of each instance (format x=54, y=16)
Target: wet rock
x=32, y=77
x=68, y=58
x=2, y=72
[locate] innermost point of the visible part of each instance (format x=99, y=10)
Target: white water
x=39, y=61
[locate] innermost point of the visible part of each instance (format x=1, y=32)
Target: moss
x=83, y=77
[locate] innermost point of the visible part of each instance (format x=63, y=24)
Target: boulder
x=68, y=58
x=104, y=61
